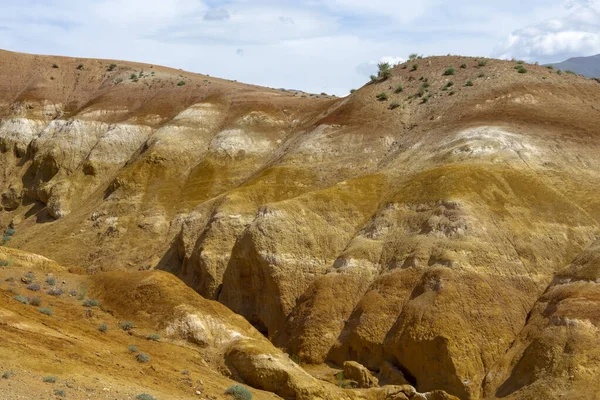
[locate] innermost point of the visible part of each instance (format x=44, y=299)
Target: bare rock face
x=11, y=199
x=358, y=373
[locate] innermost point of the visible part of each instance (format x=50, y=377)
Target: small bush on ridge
x=449, y=71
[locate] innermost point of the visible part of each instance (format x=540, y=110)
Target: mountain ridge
x=586, y=66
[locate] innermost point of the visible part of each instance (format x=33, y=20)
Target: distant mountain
x=587, y=66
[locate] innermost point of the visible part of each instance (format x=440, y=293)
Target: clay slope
x=417, y=235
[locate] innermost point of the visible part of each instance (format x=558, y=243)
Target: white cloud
x=216, y=14
x=556, y=39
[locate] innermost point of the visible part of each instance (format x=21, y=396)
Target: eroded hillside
x=439, y=234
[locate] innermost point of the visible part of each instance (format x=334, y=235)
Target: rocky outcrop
x=358, y=373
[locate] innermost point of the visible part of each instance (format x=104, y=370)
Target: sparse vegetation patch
x=91, y=303
x=46, y=311
x=145, y=396
x=382, y=96
x=449, y=71
x=126, y=325
x=239, y=392
x=22, y=299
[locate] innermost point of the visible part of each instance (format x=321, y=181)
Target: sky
x=317, y=46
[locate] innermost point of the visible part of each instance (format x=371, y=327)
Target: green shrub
x=570, y=72
x=29, y=277
x=373, y=78
x=239, y=392
x=142, y=357
x=50, y=379
x=154, y=337
x=91, y=303
x=449, y=71
x=55, y=291
x=126, y=325
x=415, y=67
x=520, y=62
x=385, y=71
x=394, y=105
x=112, y=67
x=399, y=89
x=469, y=83
x=482, y=63
x=521, y=70
x=60, y=393
x=413, y=56
x=448, y=85
x=103, y=327
x=382, y=96
x=132, y=348
x=133, y=77
x=51, y=281
x=36, y=301
x=463, y=66
x=22, y=299
x=550, y=67
x=180, y=83
x=8, y=374
x=80, y=67
x=425, y=99
x=34, y=287
x=559, y=72
x=145, y=396
x=46, y=311
x=4, y=263
x=352, y=91
x=481, y=75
